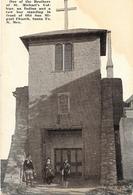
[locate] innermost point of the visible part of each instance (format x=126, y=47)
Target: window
x=58, y=57
x=67, y=56
x=63, y=103
x=63, y=57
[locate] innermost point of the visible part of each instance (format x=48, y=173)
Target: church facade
x=70, y=111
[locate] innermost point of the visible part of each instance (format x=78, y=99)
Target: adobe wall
x=18, y=145
x=128, y=112
x=126, y=135
x=83, y=84
x=43, y=78
x=117, y=94
x=117, y=114
x=112, y=110
x=108, y=155
x=85, y=113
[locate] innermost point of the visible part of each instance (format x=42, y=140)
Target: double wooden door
x=74, y=156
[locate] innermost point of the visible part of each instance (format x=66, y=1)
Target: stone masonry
x=108, y=160
x=111, y=89
x=18, y=145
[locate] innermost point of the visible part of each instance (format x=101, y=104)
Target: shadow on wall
x=85, y=112
x=82, y=91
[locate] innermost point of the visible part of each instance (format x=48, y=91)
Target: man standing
x=65, y=171
x=28, y=171
x=49, y=172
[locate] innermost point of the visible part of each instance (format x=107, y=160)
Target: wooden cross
x=66, y=9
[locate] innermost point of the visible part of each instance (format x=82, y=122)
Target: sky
x=114, y=15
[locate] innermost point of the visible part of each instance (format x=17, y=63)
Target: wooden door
x=74, y=156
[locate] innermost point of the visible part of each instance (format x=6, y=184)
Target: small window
x=58, y=57
x=63, y=103
x=63, y=57
x=68, y=57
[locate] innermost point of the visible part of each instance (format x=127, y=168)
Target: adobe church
x=68, y=111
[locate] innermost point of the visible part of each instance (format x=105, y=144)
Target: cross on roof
x=66, y=9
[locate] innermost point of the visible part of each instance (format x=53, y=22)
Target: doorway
x=74, y=156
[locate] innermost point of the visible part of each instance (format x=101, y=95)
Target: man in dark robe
x=65, y=172
x=49, y=171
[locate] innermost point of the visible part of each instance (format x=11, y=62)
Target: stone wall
x=112, y=111
x=117, y=95
x=108, y=155
x=117, y=114
x=126, y=135
x=18, y=145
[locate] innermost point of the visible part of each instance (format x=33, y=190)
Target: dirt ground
x=86, y=188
